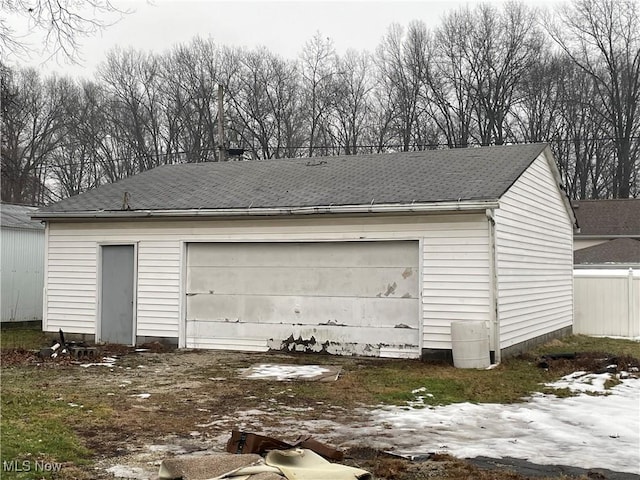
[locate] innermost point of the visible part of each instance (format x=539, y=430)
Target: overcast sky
x=282, y=27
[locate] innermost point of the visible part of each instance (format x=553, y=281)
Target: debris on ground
x=592, y=362
x=247, y=442
x=63, y=348
x=257, y=457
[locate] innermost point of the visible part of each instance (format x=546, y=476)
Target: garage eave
x=432, y=207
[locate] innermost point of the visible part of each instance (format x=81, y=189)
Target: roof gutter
x=435, y=207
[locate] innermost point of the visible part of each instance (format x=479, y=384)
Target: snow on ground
x=289, y=372
x=587, y=430
x=596, y=428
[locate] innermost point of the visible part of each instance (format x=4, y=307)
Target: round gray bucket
x=470, y=344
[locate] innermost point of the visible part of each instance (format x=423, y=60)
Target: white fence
x=607, y=302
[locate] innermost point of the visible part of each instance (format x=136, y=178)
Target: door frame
x=134, y=327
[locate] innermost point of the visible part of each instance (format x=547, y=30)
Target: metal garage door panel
x=383, y=313
x=311, y=254
x=362, y=295
x=337, y=281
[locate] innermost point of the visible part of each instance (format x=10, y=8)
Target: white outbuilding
x=369, y=254
x=22, y=264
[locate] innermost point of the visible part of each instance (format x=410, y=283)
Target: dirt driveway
x=146, y=406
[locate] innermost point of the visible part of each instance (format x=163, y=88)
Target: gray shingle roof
x=608, y=217
x=18, y=216
x=618, y=251
x=394, y=178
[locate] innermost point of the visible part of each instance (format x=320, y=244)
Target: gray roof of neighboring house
x=618, y=251
x=18, y=216
x=429, y=176
x=617, y=217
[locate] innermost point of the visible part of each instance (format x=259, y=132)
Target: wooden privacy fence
x=607, y=302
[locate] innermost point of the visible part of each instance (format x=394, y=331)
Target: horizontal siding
x=158, y=288
x=71, y=285
x=534, y=249
x=456, y=276
x=454, y=264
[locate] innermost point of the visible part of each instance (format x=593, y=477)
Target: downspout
x=493, y=286
x=45, y=270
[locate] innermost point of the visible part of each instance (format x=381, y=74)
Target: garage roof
x=455, y=175
x=18, y=216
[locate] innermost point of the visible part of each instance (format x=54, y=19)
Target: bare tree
x=130, y=78
x=30, y=120
x=583, y=159
x=192, y=72
x=448, y=75
x=263, y=92
x=317, y=66
x=75, y=164
x=402, y=62
x=352, y=105
x=602, y=37
x=58, y=25
x=537, y=115
x=499, y=47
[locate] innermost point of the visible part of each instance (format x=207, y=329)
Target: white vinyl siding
x=454, y=264
x=158, y=288
x=70, y=284
x=534, y=248
x=456, y=276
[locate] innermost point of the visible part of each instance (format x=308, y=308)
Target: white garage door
x=338, y=297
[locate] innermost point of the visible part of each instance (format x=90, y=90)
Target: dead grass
x=188, y=389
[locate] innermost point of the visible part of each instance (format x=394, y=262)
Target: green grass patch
x=392, y=382
x=23, y=338
x=582, y=343
x=443, y=384
x=37, y=426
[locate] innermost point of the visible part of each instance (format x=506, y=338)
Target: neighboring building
x=607, y=268
x=618, y=253
x=22, y=264
x=603, y=221
x=369, y=254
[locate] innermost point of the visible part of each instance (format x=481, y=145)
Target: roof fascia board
x=548, y=155
x=436, y=207
x=604, y=236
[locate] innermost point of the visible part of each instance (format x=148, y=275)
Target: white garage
x=366, y=254
x=334, y=297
